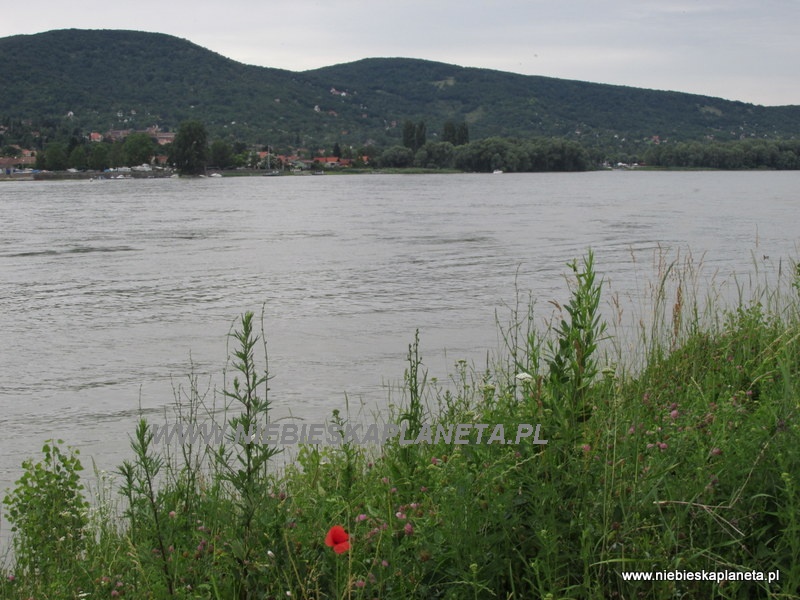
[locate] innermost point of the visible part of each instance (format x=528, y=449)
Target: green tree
x=397, y=156
x=190, y=148
x=420, y=135
x=139, y=149
x=55, y=157
x=77, y=158
x=435, y=155
x=414, y=135
x=449, y=132
x=116, y=155
x=98, y=159
x=409, y=135
x=221, y=154
x=462, y=135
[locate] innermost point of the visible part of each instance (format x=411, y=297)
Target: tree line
x=136, y=149
x=191, y=152
x=415, y=135
x=744, y=154
x=491, y=154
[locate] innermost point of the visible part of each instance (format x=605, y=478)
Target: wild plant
x=413, y=417
x=245, y=466
x=48, y=514
x=145, y=510
x=572, y=358
x=518, y=368
x=187, y=466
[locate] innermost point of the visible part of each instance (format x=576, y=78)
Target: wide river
x=110, y=289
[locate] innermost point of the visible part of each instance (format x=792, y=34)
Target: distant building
x=165, y=137
x=117, y=135
x=162, y=137
x=9, y=164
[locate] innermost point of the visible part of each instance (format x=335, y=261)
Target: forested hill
x=508, y=104
x=109, y=79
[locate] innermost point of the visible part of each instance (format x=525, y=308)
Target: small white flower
x=270, y=553
x=524, y=377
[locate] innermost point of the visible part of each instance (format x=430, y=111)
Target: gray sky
x=736, y=49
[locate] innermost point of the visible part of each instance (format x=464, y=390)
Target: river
x=110, y=290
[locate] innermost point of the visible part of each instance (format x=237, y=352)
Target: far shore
x=169, y=173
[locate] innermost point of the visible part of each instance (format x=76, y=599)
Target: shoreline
x=169, y=174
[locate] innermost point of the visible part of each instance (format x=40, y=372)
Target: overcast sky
x=745, y=50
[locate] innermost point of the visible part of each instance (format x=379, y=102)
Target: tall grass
x=681, y=457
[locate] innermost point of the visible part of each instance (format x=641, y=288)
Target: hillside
x=498, y=103
x=122, y=79
x=110, y=79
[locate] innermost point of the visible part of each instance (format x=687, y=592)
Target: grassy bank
x=687, y=462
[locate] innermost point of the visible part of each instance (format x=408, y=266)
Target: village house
x=332, y=162
x=294, y=161
x=117, y=135
x=161, y=137
x=10, y=164
x=164, y=137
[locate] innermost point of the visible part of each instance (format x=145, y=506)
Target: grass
x=685, y=457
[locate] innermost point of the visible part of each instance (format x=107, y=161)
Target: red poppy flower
x=337, y=539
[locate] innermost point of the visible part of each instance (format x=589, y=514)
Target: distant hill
x=110, y=79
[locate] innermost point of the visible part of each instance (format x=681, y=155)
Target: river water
x=110, y=289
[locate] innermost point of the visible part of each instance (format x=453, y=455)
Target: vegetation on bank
x=676, y=451
x=193, y=152
x=746, y=154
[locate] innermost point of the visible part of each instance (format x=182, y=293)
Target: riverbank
x=167, y=173
x=684, y=464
